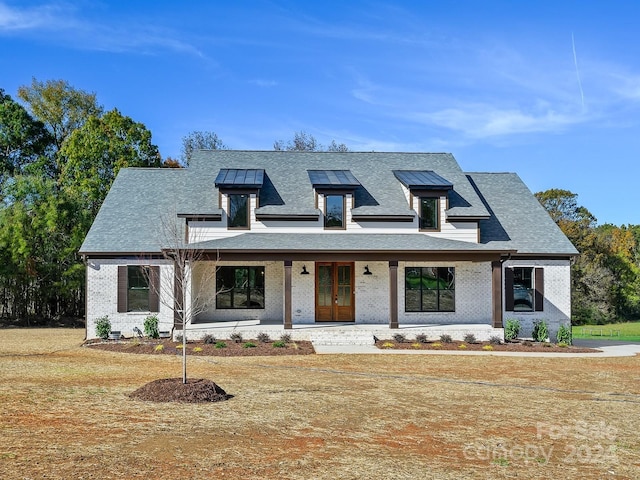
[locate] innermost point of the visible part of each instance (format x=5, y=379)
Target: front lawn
x=65, y=412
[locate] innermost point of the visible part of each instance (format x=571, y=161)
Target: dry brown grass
x=64, y=413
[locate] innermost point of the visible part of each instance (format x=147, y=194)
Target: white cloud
x=483, y=121
x=45, y=16
x=61, y=23
x=263, y=83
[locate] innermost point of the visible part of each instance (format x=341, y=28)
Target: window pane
x=238, y=211
x=428, y=213
x=138, y=289
x=256, y=296
x=334, y=211
x=412, y=301
x=239, y=298
x=412, y=279
x=429, y=300
x=223, y=300
x=430, y=278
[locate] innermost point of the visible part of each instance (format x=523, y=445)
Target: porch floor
x=338, y=333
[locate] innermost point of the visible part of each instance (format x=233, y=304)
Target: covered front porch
x=340, y=333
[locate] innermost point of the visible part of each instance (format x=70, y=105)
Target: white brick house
x=299, y=238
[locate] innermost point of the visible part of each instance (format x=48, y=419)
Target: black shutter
x=177, y=297
x=508, y=289
x=154, y=289
x=539, y=285
x=123, y=284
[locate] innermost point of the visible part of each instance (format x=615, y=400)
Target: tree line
x=60, y=152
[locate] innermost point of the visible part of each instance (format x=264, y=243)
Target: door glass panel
x=325, y=286
x=344, y=285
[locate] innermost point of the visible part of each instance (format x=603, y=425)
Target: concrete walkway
x=628, y=350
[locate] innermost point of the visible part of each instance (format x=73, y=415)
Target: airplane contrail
x=575, y=62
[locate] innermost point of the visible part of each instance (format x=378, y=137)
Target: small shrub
x=209, y=339
x=279, y=344
x=285, y=337
x=151, y=326
x=564, y=335
x=446, y=338
x=400, y=337
x=236, y=337
x=220, y=345
x=495, y=340
x=462, y=346
x=416, y=345
x=540, y=331
x=197, y=349
x=178, y=338
x=422, y=338
x=527, y=343
x=179, y=347
x=487, y=347
x=562, y=344
x=387, y=345
x=511, y=329
x=263, y=337
x=249, y=345
x=103, y=327
x=436, y=345
x=470, y=338
x=159, y=348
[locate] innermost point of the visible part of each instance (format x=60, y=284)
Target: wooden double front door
x=334, y=292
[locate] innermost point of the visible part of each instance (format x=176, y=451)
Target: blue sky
x=547, y=89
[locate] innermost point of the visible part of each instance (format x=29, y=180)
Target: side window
x=138, y=288
x=334, y=211
x=429, y=218
x=238, y=211
x=524, y=289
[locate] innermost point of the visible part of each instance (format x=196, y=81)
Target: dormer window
x=239, y=185
x=334, y=186
x=238, y=208
x=334, y=211
x=428, y=214
x=428, y=187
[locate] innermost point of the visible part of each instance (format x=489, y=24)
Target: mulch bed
x=231, y=349
x=197, y=390
x=518, y=346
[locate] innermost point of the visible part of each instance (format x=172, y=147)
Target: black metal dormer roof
x=333, y=179
x=422, y=180
x=239, y=178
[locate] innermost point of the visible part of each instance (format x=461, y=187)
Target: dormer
x=334, y=195
x=428, y=194
x=238, y=189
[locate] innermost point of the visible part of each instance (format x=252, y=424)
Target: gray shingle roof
x=343, y=242
x=128, y=222
x=517, y=218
